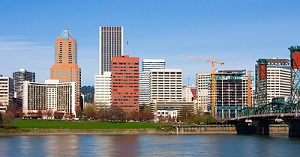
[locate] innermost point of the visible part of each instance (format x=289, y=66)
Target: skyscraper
x=273, y=79
x=147, y=65
x=125, y=83
x=18, y=78
x=65, y=67
x=110, y=45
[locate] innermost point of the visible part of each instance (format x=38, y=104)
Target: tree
x=58, y=115
x=1, y=119
x=90, y=111
x=49, y=113
x=8, y=120
x=39, y=113
x=185, y=113
x=104, y=114
x=117, y=113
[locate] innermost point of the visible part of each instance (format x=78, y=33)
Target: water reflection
x=61, y=145
x=149, y=145
x=127, y=145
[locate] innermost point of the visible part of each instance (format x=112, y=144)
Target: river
x=150, y=145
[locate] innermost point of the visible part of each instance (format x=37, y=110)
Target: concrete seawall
x=220, y=129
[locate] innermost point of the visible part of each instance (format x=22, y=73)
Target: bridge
x=256, y=119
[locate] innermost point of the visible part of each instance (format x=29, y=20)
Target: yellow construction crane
x=249, y=91
x=213, y=62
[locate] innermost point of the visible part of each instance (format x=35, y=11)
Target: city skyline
x=247, y=30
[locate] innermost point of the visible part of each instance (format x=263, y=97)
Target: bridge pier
x=245, y=128
x=258, y=127
x=294, y=127
x=262, y=127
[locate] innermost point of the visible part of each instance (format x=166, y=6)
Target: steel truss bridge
x=256, y=119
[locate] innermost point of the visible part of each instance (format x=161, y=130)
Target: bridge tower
x=261, y=82
x=295, y=75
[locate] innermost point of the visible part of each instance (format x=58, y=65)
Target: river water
x=150, y=145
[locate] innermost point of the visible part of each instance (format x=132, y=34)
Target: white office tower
x=278, y=78
x=203, y=91
x=165, y=85
x=103, y=90
x=6, y=92
x=147, y=65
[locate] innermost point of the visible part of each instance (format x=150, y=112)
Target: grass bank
x=60, y=124
x=57, y=127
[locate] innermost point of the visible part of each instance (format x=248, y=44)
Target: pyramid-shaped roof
x=65, y=34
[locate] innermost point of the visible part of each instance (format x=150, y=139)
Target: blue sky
x=237, y=32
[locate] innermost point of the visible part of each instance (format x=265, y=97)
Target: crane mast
x=213, y=62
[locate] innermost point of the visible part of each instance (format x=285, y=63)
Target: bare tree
x=90, y=111
x=39, y=113
x=58, y=115
x=49, y=113
x=8, y=120
x=104, y=113
x=117, y=113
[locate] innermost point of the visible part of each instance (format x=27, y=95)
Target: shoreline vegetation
x=54, y=127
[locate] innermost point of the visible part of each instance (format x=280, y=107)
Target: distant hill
x=88, y=92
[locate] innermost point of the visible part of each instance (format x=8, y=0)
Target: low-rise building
x=167, y=115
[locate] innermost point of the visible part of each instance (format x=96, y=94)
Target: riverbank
x=43, y=132
x=180, y=130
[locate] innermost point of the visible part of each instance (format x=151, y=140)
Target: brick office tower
x=125, y=83
x=65, y=67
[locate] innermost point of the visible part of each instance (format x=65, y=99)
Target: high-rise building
x=147, y=65
x=51, y=95
x=125, y=83
x=6, y=92
x=165, y=85
x=18, y=78
x=65, y=68
x=103, y=88
x=273, y=79
x=231, y=92
x=110, y=45
x=203, y=83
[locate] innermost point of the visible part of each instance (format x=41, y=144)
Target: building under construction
x=231, y=92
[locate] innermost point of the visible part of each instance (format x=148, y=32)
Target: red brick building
x=125, y=83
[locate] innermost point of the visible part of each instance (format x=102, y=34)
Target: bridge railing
x=271, y=108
